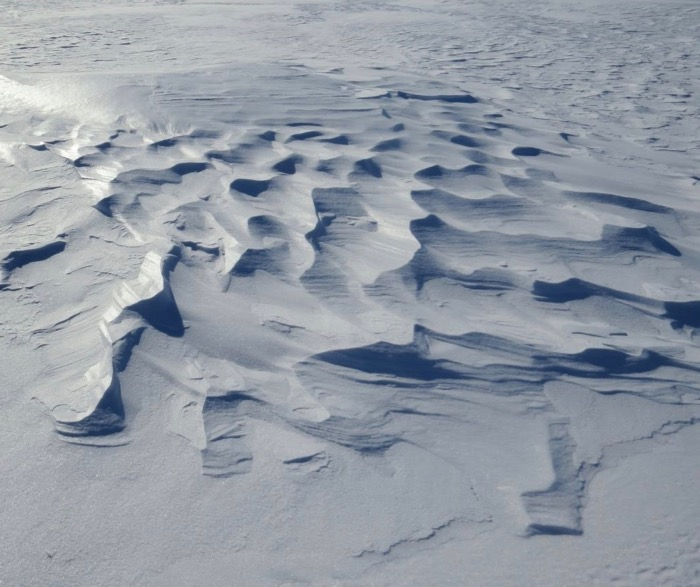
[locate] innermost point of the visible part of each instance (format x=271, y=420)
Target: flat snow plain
x=350, y=293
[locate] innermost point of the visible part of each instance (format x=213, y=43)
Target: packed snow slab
x=306, y=325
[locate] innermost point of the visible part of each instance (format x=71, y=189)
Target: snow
x=331, y=293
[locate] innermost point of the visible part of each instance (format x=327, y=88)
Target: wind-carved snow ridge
x=88, y=403
x=557, y=509
x=401, y=271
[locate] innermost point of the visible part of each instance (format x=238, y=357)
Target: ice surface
x=350, y=293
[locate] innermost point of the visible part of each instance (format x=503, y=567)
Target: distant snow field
x=335, y=293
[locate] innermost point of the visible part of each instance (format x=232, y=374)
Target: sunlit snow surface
x=369, y=293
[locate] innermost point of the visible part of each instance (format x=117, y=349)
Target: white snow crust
x=333, y=293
